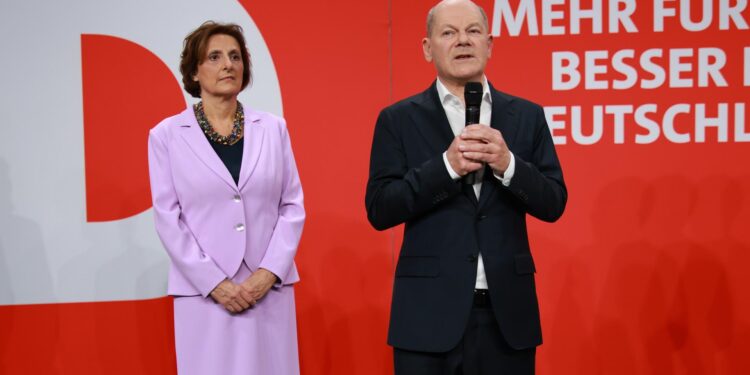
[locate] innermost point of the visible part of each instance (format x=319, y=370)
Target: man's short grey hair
x=431, y=18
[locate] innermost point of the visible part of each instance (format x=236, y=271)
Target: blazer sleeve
x=538, y=183
x=397, y=193
x=279, y=257
x=180, y=243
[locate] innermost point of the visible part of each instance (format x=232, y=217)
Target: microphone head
x=473, y=94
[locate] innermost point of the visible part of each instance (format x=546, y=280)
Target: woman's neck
x=220, y=113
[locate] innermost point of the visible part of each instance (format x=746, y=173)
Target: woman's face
x=220, y=73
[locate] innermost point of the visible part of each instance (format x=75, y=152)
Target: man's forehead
x=453, y=13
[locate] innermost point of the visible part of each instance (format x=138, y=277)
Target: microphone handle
x=472, y=117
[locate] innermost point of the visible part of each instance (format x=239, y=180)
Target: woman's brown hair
x=194, y=52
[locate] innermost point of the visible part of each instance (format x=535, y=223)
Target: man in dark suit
x=464, y=298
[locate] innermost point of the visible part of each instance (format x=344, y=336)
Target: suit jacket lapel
x=432, y=123
x=252, y=148
x=503, y=119
x=197, y=141
x=431, y=120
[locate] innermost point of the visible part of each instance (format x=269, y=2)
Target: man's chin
x=469, y=72
x=470, y=77
x=463, y=75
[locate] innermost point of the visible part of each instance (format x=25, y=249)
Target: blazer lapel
x=503, y=119
x=253, y=144
x=431, y=121
x=196, y=140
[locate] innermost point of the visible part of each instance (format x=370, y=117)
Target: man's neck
x=457, y=87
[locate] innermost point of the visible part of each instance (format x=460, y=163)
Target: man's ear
x=489, y=45
x=427, y=49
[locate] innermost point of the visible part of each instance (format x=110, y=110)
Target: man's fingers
x=481, y=133
x=478, y=156
x=475, y=147
x=470, y=166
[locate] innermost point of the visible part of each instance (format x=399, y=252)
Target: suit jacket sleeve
x=176, y=237
x=279, y=256
x=538, y=183
x=397, y=193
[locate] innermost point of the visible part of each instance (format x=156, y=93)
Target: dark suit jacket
x=446, y=227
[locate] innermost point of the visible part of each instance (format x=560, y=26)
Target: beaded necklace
x=237, y=128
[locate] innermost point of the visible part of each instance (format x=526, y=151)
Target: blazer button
x=236, y=198
x=471, y=258
x=239, y=227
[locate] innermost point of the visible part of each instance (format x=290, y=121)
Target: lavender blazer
x=207, y=223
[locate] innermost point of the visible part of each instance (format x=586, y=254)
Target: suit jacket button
x=239, y=227
x=471, y=258
x=481, y=217
x=236, y=198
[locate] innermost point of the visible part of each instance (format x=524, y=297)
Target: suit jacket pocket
x=416, y=266
x=525, y=264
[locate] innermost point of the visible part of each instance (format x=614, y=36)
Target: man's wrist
x=506, y=176
x=455, y=176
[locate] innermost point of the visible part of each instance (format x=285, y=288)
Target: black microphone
x=473, y=100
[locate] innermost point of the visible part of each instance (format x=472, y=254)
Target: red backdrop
x=644, y=274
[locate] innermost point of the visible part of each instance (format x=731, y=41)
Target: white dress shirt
x=456, y=113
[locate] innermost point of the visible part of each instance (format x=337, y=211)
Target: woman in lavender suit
x=228, y=209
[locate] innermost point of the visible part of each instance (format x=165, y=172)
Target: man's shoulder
x=517, y=102
x=408, y=103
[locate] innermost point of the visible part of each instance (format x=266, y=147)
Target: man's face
x=459, y=44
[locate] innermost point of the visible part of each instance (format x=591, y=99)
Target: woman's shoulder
x=167, y=125
x=265, y=119
x=262, y=116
